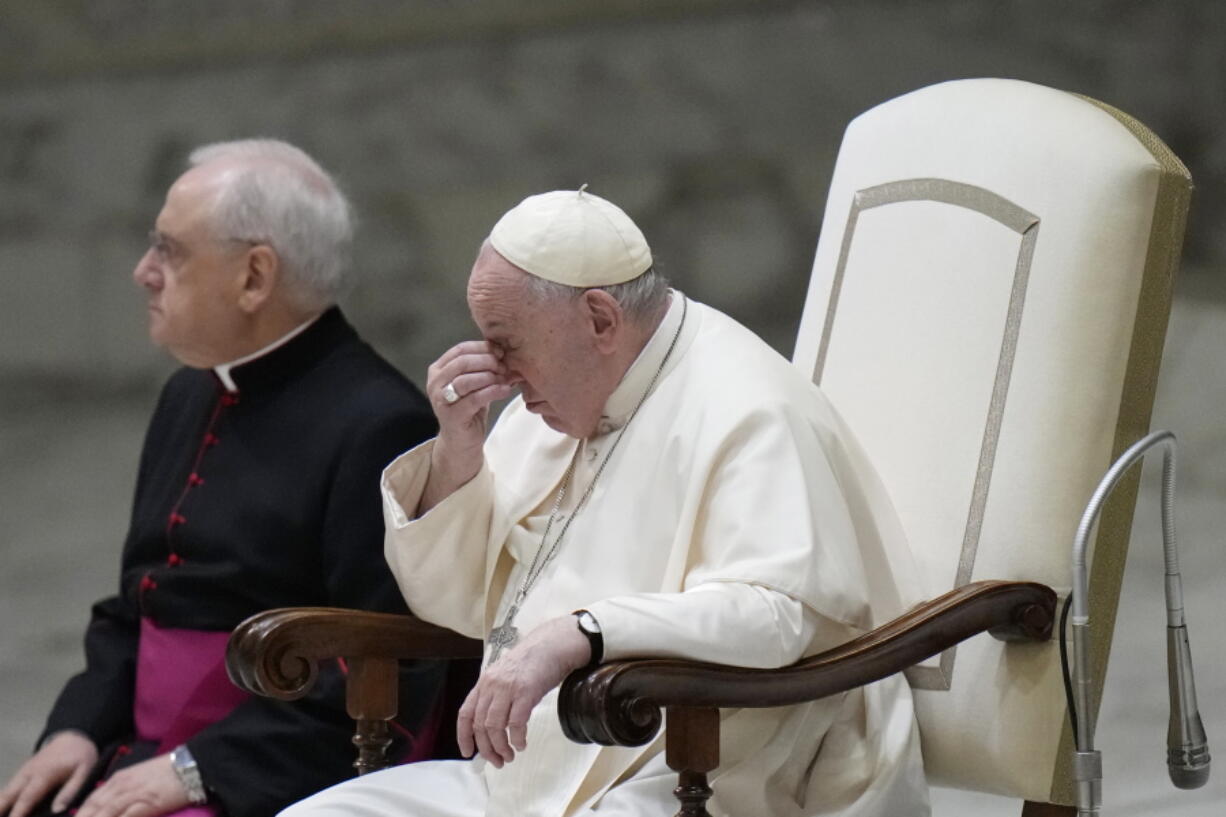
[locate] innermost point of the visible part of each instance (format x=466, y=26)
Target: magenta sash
x=181, y=687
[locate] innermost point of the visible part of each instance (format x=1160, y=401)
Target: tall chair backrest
x=987, y=310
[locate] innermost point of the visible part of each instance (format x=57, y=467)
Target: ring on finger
x=449, y=393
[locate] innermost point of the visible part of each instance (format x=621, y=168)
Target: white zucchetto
x=572, y=237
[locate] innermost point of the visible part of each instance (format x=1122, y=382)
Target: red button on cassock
x=177, y=519
x=147, y=583
x=195, y=479
x=174, y=559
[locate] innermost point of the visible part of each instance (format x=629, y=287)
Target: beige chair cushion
x=987, y=309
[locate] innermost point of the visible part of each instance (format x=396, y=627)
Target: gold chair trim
x=1140, y=383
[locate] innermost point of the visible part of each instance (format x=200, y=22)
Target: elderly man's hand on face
x=494, y=717
x=148, y=789
x=64, y=762
x=461, y=385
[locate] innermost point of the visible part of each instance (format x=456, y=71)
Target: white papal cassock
x=737, y=522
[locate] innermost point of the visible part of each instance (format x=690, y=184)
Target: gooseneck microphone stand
x=1187, y=747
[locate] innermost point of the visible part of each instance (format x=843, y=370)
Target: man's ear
x=605, y=318
x=260, y=275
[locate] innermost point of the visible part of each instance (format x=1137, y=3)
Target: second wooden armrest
x=619, y=703
x=276, y=653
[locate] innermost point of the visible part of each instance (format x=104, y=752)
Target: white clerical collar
x=635, y=381
x=223, y=370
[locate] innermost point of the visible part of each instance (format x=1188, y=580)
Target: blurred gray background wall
x=715, y=124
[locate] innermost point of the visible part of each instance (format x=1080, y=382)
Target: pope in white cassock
x=664, y=485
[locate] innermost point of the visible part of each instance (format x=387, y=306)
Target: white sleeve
x=739, y=624
x=438, y=559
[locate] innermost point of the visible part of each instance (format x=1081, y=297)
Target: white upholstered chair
x=987, y=311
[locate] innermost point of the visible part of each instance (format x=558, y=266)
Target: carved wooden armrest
x=619, y=703
x=277, y=653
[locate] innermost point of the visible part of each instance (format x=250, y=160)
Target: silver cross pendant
x=504, y=636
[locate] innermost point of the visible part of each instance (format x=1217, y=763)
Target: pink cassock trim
x=181, y=684
x=421, y=745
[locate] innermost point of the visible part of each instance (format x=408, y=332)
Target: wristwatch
x=590, y=627
x=188, y=772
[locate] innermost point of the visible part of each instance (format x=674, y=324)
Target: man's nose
x=147, y=273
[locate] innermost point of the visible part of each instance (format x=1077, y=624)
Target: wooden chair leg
x=1033, y=809
x=370, y=698
x=691, y=748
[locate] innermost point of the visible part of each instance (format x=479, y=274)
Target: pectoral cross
x=505, y=635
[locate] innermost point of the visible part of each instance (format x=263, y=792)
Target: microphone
x=1187, y=747
x=1187, y=756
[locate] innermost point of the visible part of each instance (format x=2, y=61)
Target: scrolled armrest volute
x=619, y=703
x=276, y=653
x=592, y=710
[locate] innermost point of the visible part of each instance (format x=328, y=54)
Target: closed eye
x=503, y=345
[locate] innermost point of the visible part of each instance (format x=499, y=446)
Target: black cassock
x=267, y=497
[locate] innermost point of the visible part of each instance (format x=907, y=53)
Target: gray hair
x=281, y=197
x=640, y=298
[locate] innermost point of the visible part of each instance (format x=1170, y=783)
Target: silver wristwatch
x=185, y=767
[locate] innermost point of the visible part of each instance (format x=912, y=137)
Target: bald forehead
x=201, y=186
x=214, y=175
x=494, y=277
x=203, y=181
x=262, y=156
x=191, y=194
x=198, y=178
x=190, y=199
